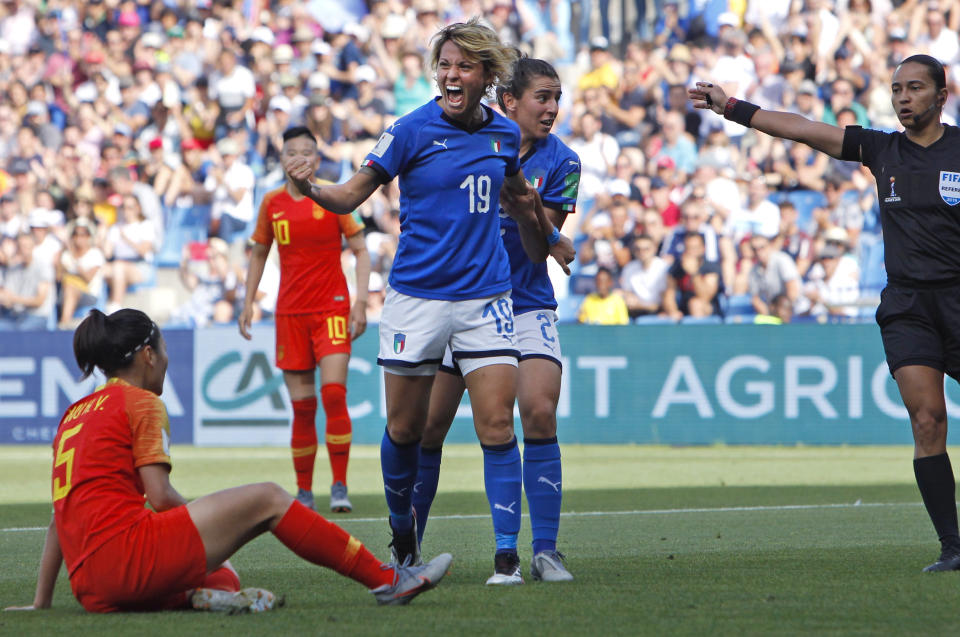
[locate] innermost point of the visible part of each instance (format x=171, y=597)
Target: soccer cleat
x=547, y=566
x=339, y=502
x=949, y=561
x=410, y=581
x=305, y=498
x=248, y=600
x=404, y=546
x=506, y=570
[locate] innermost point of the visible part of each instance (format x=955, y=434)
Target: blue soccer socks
x=542, y=480
x=399, y=466
x=425, y=486
x=503, y=482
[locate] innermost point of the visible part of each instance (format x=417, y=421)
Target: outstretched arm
x=819, y=136
x=341, y=199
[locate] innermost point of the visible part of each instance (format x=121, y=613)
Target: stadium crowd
x=137, y=140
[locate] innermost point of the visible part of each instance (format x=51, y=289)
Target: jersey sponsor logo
x=382, y=144
x=399, y=341
x=442, y=144
x=571, y=184
x=495, y=144
x=949, y=187
x=277, y=215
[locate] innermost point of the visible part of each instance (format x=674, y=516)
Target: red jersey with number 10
x=309, y=243
x=101, y=442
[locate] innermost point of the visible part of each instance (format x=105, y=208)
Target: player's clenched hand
x=244, y=321
x=358, y=320
x=300, y=172
x=563, y=253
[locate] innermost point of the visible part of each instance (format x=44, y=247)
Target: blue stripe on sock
x=504, y=485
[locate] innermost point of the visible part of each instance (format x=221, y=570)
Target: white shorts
x=536, y=335
x=415, y=332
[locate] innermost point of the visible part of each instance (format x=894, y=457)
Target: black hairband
x=153, y=330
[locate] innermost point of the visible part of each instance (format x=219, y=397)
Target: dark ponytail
x=524, y=70
x=109, y=342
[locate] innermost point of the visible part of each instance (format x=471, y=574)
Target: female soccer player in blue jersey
x=531, y=99
x=450, y=280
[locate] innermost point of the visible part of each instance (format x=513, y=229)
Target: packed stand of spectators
x=138, y=137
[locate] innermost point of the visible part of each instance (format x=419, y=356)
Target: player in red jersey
x=314, y=320
x=111, y=455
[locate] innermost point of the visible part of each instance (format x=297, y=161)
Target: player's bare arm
x=538, y=234
x=819, y=136
x=358, y=313
x=258, y=259
x=341, y=199
x=50, y=560
x=156, y=486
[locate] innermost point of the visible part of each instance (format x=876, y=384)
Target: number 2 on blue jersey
x=501, y=314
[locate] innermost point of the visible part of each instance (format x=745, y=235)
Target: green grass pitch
x=662, y=541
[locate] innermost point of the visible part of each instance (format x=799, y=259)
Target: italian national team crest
x=950, y=187
x=495, y=144
x=536, y=180
x=399, y=340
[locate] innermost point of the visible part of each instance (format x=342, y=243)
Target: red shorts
x=148, y=566
x=303, y=339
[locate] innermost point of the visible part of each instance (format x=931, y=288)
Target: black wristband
x=741, y=112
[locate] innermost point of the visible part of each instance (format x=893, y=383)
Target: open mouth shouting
x=455, y=96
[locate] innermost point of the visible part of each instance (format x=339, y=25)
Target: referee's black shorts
x=921, y=326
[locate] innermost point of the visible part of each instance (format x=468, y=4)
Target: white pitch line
x=586, y=514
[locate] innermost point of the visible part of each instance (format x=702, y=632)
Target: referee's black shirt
x=919, y=191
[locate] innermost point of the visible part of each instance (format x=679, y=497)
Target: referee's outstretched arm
x=819, y=136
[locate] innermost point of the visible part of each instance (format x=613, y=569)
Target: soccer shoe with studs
x=339, y=502
x=248, y=600
x=506, y=570
x=409, y=581
x=547, y=566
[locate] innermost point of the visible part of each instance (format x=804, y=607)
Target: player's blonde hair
x=478, y=42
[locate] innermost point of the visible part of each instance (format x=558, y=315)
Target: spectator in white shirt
x=644, y=279
x=232, y=186
x=129, y=248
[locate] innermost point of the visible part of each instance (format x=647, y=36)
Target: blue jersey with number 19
x=450, y=179
x=554, y=170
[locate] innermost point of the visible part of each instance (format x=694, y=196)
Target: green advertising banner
x=662, y=384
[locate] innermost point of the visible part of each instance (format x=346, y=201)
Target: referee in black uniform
x=918, y=182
